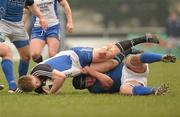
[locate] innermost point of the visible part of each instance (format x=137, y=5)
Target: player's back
x=61, y=61
x=115, y=74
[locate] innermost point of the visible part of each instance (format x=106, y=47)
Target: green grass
x=73, y=103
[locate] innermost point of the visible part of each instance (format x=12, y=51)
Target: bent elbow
x=108, y=84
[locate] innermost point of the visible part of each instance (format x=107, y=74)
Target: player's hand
x=47, y=91
x=69, y=27
x=85, y=70
x=43, y=22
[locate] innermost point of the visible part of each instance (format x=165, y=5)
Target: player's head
x=28, y=83
x=83, y=81
x=173, y=14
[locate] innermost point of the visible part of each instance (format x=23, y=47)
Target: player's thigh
x=104, y=53
x=99, y=55
x=36, y=46
x=53, y=45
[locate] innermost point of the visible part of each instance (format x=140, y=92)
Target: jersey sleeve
x=29, y=3
x=42, y=71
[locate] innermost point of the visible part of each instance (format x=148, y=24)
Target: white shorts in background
x=128, y=75
x=15, y=31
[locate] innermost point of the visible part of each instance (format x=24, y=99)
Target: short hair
x=79, y=82
x=25, y=84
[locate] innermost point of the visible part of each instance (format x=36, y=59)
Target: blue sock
x=7, y=67
x=141, y=90
x=23, y=67
x=150, y=57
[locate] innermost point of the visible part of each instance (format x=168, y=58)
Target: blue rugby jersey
x=14, y=9
x=115, y=75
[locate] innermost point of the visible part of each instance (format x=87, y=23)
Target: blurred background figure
x=173, y=31
x=49, y=36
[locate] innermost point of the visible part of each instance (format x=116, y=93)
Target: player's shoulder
x=40, y=68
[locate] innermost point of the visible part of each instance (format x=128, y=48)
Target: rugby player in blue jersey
x=11, y=27
x=129, y=77
x=69, y=63
x=50, y=36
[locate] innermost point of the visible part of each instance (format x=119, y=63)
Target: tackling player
x=129, y=77
x=69, y=63
x=13, y=28
x=50, y=36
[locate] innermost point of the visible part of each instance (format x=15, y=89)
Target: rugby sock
x=126, y=44
x=150, y=57
x=7, y=67
x=141, y=90
x=39, y=59
x=120, y=57
x=23, y=67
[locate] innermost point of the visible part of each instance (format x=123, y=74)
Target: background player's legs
x=53, y=46
x=36, y=47
x=7, y=65
x=24, y=53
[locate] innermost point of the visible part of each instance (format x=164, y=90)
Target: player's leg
x=134, y=78
x=112, y=63
x=134, y=88
x=7, y=65
x=109, y=52
x=53, y=46
x=24, y=52
x=38, y=42
x=53, y=41
x=36, y=46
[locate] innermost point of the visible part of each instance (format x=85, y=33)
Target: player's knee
x=126, y=89
x=25, y=57
x=35, y=55
x=6, y=52
x=52, y=53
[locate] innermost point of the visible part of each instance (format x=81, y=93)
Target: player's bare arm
x=58, y=79
x=106, y=81
x=104, y=66
x=37, y=12
x=68, y=14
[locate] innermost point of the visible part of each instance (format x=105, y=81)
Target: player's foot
x=17, y=90
x=152, y=38
x=136, y=51
x=161, y=90
x=168, y=59
x=1, y=87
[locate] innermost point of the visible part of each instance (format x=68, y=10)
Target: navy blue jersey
x=85, y=55
x=14, y=9
x=115, y=75
x=2, y=8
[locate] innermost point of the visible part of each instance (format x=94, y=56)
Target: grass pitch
x=73, y=103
